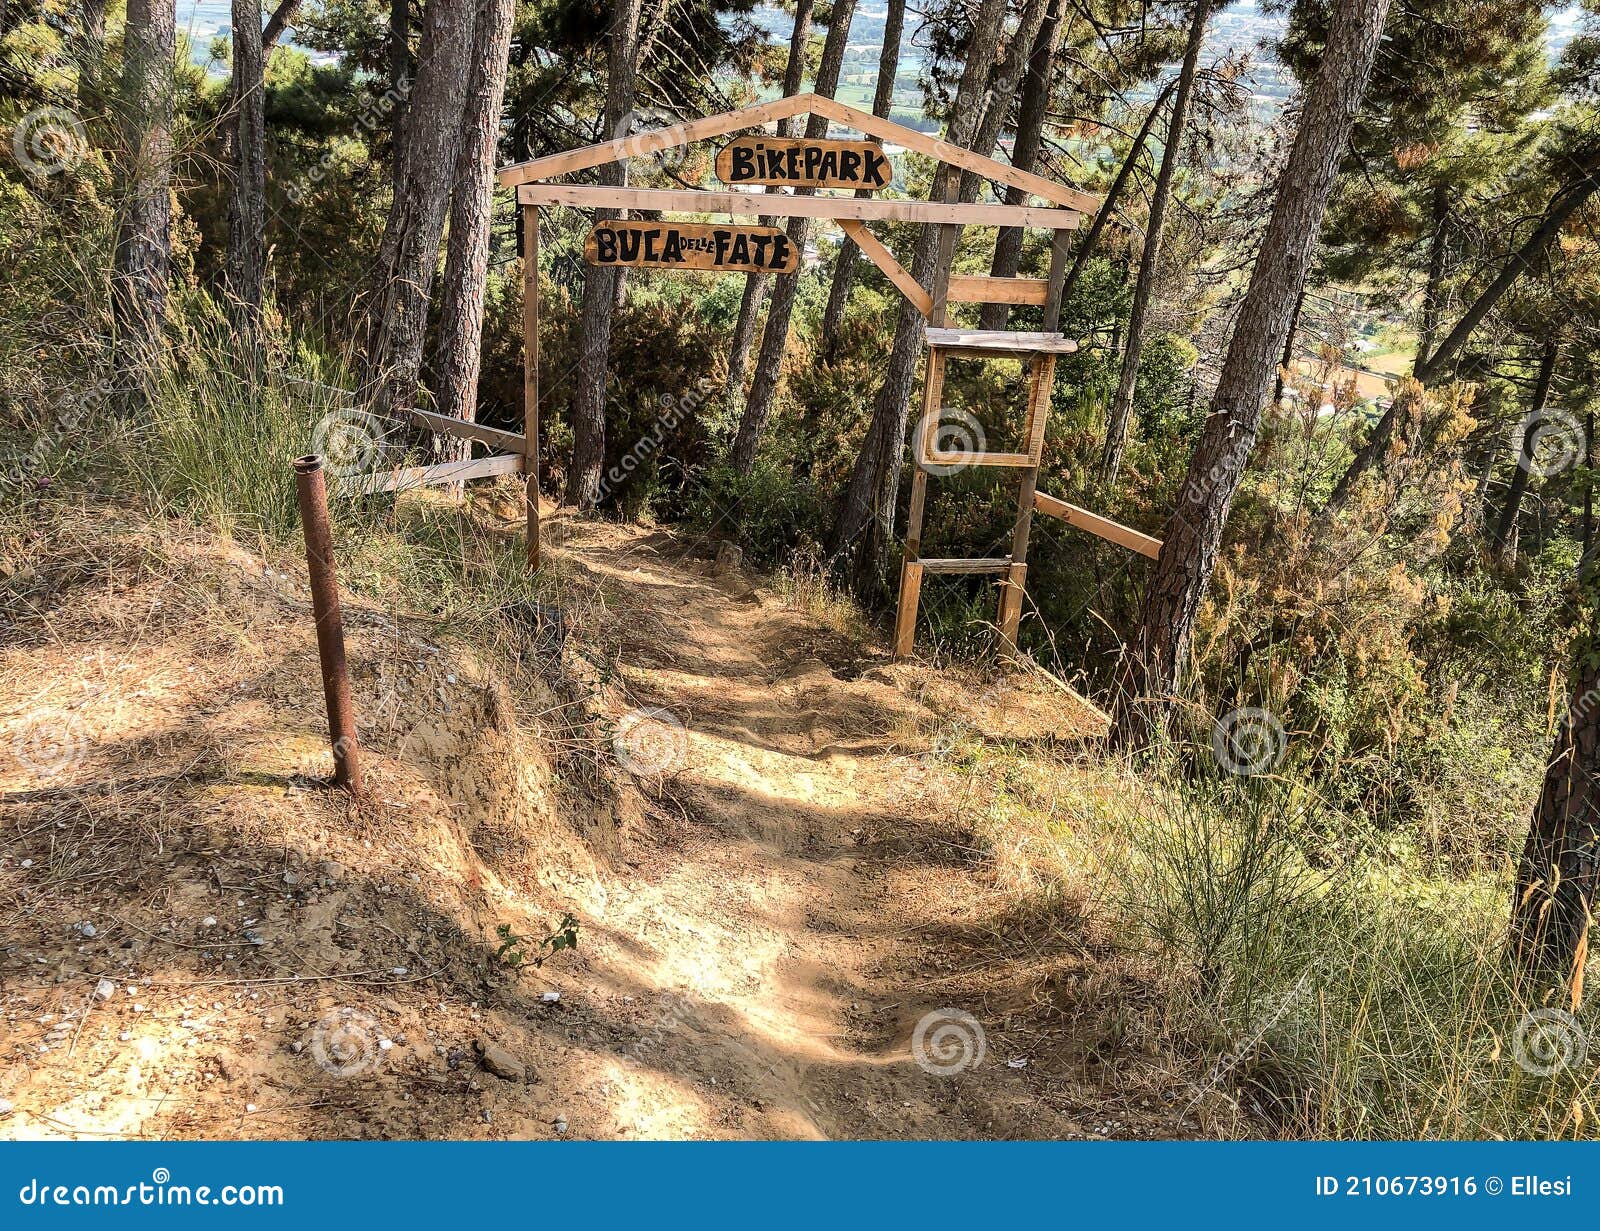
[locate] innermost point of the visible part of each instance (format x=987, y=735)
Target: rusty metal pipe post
x=313, y=494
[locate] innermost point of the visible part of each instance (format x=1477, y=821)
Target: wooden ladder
x=1039, y=350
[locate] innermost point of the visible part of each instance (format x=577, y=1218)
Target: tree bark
x=1193, y=534
x=599, y=286
x=1031, y=113
x=277, y=23
x=1519, y=472
x=844, y=267
x=247, y=205
x=1287, y=358
x=1122, y=401
x=409, y=254
x=769, y=361
x=755, y=285
x=399, y=60
x=884, y=441
x=143, y=259
x=1556, y=878
x=466, y=260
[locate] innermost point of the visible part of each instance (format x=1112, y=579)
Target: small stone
x=6, y=1107
x=297, y=1047
x=210, y=921
x=561, y=1125
x=385, y=1044
x=87, y=929
x=249, y=1106
x=488, y=1115
x=398, y=970
x=550, y=997
x=125, y=1036
x=26, y=863
x=105, y=989
x=500, y=1062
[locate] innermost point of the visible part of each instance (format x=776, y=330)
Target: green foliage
x=512, y=953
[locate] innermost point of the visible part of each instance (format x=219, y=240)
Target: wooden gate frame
x=532, y=179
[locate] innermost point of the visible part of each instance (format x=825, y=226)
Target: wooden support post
x=905, y=621
x=1043, y=384
x=530, y=377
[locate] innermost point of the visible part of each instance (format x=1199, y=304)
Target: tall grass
x=1362, y=999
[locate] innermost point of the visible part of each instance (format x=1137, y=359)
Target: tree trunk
x=884, y=441
x=769, y=361
x=1108, y=207
x=1287, y=358
x=1519, y=472
x=755, y=285
x=599, y=286
x=1193, y=534
x=247, y=206
x=409, y=254
x=466, y=260
x=399, y=60
x=143, y=260
x=1031, y=113
x=844, y=268
x=1556, y=877
x=1122, y=401
x=90, y=54
x=1562, y=206
x=1433, y=290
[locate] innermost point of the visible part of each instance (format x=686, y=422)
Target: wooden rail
x=409, y=477
x=1115, y=532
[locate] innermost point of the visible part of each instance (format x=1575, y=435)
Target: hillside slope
x=744, y=809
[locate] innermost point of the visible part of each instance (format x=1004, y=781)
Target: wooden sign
x=691, y=245
x=804, y=163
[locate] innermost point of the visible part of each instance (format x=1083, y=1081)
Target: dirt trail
x=818, y=907
x=197, y=942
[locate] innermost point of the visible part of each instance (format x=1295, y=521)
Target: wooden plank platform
x=782, y=205
x=1000, y=341
x=411, y=477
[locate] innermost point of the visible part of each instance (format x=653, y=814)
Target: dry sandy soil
x=197, y=939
